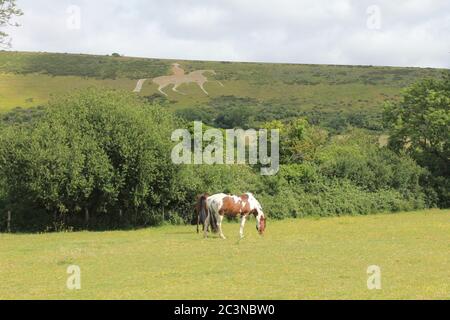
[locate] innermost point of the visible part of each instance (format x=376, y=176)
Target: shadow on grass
x=181, y=233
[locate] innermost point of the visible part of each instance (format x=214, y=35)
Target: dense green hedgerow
x=101, y=159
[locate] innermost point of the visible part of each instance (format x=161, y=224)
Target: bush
x=94, y=152
x=339, y=197
x=355, y=156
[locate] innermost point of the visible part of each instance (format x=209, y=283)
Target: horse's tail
x=212, y=215
x=202, y=211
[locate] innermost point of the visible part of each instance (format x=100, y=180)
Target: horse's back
x=162, y=79
x=216, y=197
x=215, y=201
x=231, y=205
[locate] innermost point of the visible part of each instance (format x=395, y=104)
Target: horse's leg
x=206, y=225
x=219, y=224
x=221, y=84
x=201, y=87
x=198, y=221
x=241, y=230
x=162, y=86
x=175, y=88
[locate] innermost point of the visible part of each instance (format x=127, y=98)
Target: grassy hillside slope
x=277, y=91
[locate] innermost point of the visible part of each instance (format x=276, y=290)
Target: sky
x=385, y=32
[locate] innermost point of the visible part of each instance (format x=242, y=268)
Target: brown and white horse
x=221, y=204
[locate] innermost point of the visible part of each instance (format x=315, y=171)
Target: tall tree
x=419, y=124
x=8, y=10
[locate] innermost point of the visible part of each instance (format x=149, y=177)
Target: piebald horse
x=219, y=205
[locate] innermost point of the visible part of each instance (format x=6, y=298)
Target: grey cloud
x=412, y=32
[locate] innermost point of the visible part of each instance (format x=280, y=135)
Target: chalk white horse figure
x=221, y=204
x=179, y=77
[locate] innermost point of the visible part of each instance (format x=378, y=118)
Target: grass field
x=36, y=89
x=296, y=259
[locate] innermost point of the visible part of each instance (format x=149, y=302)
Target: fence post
x=8, y=222
x=86, y=216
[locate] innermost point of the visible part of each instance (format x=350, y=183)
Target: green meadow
x=307, y=258
x=36, y=89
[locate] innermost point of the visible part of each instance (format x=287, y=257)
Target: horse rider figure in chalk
x=179, y=77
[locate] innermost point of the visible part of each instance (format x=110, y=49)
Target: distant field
x=296, y=259
x=36, y=89
x=29, y=79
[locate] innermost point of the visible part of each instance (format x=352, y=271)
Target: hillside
x=251, y=93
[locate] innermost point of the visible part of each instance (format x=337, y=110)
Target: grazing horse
x=222, y=204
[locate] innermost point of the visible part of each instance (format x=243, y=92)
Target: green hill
x=330, y=95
